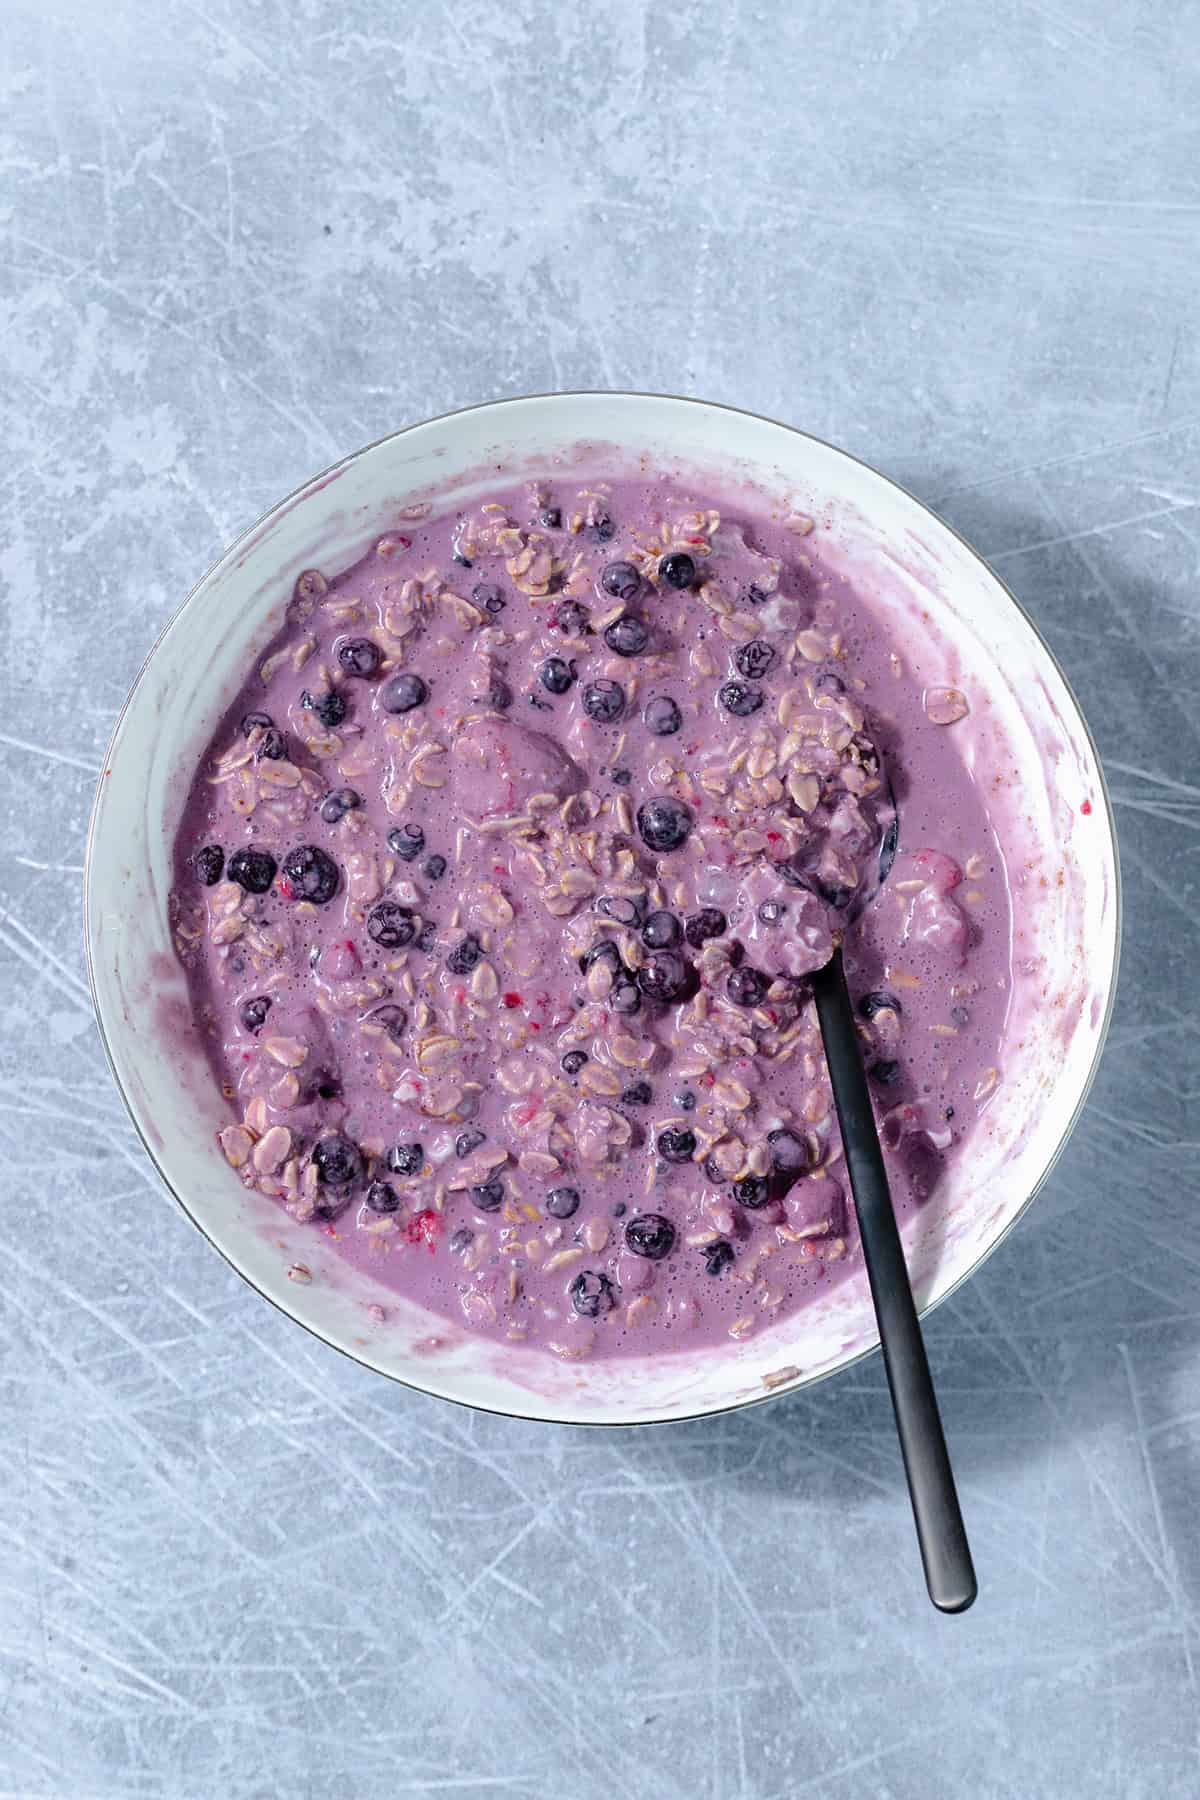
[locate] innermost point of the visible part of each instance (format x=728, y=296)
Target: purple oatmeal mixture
x=498, y=887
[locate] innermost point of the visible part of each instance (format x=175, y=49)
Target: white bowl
x=957, y=622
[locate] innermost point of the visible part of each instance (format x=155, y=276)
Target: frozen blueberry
x=739, y=698
x=602, y=530
x=360, y=656
x=752, y=1191
x=391, y=925
x=884, y=1072
x=713, y=1172
x=755, y=595
x=330, y=707
x=254, y=1012
x=677, y=569
x=499, y=694
x=465, y=954
x=663, y=976
x=556, y=675
x=753, y=660
x=638, y=1093
x=624, y=996
x=462, y=1240
x=627, y=636
x=253, y=870
x=209, y=864
x=686, y=1101
x=621, y=580
x=662, y=716
x=562, y=1202
x=382, y=1197
x=570, y=617
x=425, y=937
x=489, y=596
x=592, y=1294
x=407, y=841
x=770, y=912
x=406, y=1159
x=789, y=1151
x=709, y=922
x=619, y=907
x=339, y=1162
x=603, y=951
x=573, y=1061
x=469, y=1140
x=650, y=1235
x=336, y=806
x=271, y=746
x=311, y=874
x=664, y=823
x=434, y=868
x=676, y=1144
x=257, y=721
x=622, y=777
x=604, y=701
x=878, y=1001
x=746, y=987
x=661, y=931
x=550, y=518
x=488, y=1196
x=718, y=1256
x=401, y=693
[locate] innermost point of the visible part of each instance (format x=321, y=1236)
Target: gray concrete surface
x=240, y=239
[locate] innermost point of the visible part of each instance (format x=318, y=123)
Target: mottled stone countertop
x=240, y=239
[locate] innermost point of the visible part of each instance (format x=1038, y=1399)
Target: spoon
x=941, y=1535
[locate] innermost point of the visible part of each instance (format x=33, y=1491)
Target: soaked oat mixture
x=499, y=884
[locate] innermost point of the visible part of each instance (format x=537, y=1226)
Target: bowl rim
x=318, y=481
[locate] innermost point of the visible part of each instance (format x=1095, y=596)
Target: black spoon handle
x=949, y=1573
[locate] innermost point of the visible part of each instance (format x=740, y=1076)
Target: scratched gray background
x=240, y=239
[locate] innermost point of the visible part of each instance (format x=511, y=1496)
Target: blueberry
x=713, y=1172
x=336, y=806
x=752, y=1191
x=619, y=1210
x=661, y=931
x=425, y=937
x=686, y=1101
x=638, y=1093
x=627, y=636
x=488, y=1196
x=391, y=925
x=254, y=1012
x=573, y=1061
x=434, y=868
x=884, y=1072
x=401, y=693
x=604, y=951
x=462, y=1240
x=959, y=1016
x=664, y=824
x=663, y=976
x=878, y=1001
x=468, y=1140
x=746, y=987
x=209, y=864
x=718, y=1256
x=551, y=518
x=330, y=708
x=602, y=530
x=562, y=1202
x=407, y=841
x=382, y=1197
x=676, y=1144
x=339, y=1162
x=755, y=595
x=650, y=1235
x=677, y=569
x=391, y=1019
x=621, y=580
x=770, y=912
x=406, y=1159
x=789, y=1151
x=753, y=660
x=256, y=721
x=253, y=870
x=489, y=596
x=738, y=698
x=662, y=716
x=709, y=922
x=311, y=874
x=570, y=617
x=618, y=907
x=556, y=675
x=465, y=954
x=360, y=656
x=592, y=1294
x=271, y=747
x=604, y=701
x=499, y=694
x=624, y=996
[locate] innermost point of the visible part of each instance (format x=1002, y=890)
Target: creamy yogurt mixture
x=498, y=887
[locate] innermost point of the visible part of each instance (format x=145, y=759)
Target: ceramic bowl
x=957, y=623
